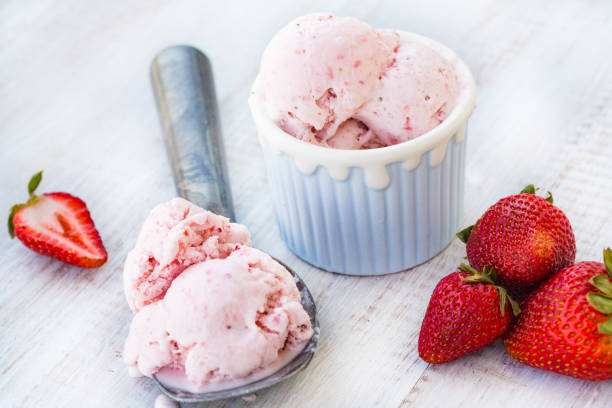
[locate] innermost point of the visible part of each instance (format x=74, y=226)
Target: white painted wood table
x=75, y=100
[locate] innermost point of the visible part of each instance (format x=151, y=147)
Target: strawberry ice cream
x=220, y=320
x=175, y=235
x=337, y=82
x=415, y=95
x=354, y=134
x=210, y=311
x=319, y=69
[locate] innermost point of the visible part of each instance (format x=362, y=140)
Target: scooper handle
x=185, y=95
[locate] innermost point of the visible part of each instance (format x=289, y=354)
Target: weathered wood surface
x=75, y=100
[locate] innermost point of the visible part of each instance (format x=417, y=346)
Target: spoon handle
x=185, y=95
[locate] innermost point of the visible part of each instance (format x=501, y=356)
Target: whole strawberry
x=566, y=324
x=466, y=312
x=525, y=238
x=57, y=225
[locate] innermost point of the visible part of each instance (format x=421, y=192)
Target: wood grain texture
x=75, y=100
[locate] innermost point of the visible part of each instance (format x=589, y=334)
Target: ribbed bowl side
x=350, y=228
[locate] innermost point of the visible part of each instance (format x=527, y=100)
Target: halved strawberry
x=57, y=225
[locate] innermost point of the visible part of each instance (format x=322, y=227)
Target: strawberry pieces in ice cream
x=338, y=82
x=220, y=320
x=353, y=134
x=415, y=95
x=319, y=69
x=210, y=311
x=175, y=235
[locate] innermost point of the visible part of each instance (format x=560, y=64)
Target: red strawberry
x=566, y=324
x=57, y=225
x=466, y=312
x=524, y=238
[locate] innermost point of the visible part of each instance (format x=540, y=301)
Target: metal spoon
x=185, y=95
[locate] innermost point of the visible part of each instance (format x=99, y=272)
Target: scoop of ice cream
x=175, y=235
x=319, y=69
x=415, y=95
x=337, y=82
x=221, y=319
x=354, y=134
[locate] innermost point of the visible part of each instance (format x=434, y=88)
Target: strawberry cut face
x=59, y=225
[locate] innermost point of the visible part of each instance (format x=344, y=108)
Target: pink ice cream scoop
x=339, y=83
x=415, y=95
x=220, y=320
x=354, y=134
x=319, y=69
x=175, y=235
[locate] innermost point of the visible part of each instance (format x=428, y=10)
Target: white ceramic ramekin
x=376, y=211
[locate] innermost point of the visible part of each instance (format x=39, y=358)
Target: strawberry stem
x=478, y=278
x=489, y=275
x=463, y=267
x=491, y=272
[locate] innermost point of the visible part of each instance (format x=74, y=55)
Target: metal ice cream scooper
x=185, y=95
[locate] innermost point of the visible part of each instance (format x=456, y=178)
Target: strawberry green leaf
x=530, y=189
x=607, y=253
x=549, y=197
x=605, y=327
x=12, y=212
x=603, y=283
x=516, y=309
x=601, y=303
x=503, y=298
x=478, y=278
x=464, y=234
x=490, y=273
x=34, y=182
x=467, y=269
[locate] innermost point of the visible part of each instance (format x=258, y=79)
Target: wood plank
x=76, y=100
